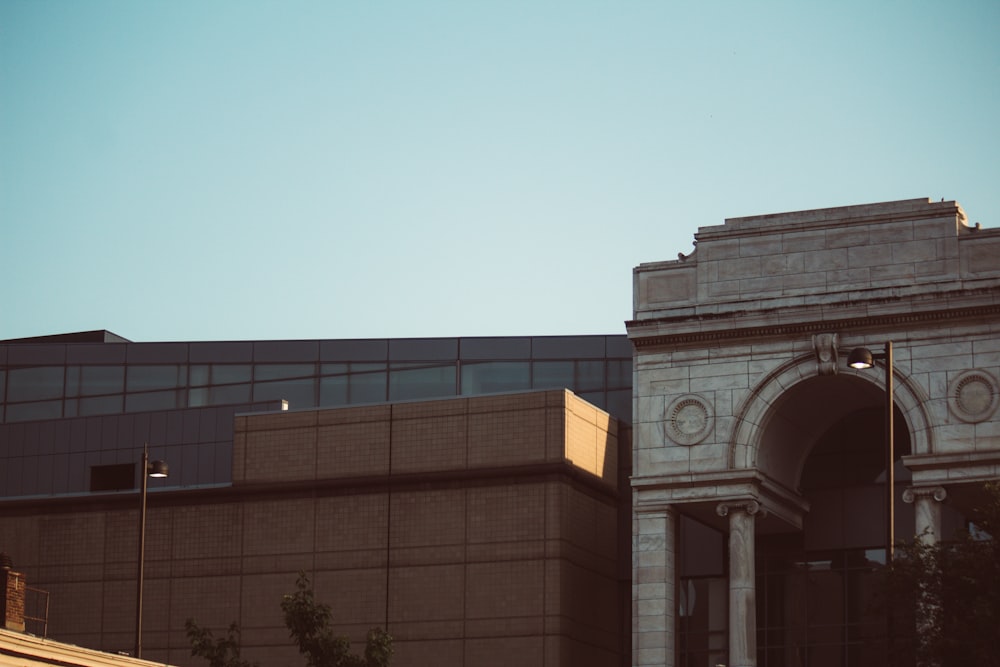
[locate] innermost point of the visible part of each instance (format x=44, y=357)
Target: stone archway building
x=756, y=448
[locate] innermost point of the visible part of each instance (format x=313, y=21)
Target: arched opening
x=819, y=589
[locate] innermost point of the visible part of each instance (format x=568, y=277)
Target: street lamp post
x=862, y=357
x=148, y=469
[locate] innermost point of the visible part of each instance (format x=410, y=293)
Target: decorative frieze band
x=729, y=332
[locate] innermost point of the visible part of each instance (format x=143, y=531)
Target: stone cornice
x=739, y=486
x=640, y=339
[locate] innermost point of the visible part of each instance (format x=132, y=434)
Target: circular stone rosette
x=973, y=396
x=688, y=419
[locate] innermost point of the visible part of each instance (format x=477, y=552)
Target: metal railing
x=36, y=611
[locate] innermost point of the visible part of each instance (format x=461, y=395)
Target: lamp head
x=157, y=469
x=860, y=357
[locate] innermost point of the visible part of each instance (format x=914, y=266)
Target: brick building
x=480, y=528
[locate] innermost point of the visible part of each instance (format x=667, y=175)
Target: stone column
x=926, y=511
x=653, y=586
x=742, y=585
x=927, y=528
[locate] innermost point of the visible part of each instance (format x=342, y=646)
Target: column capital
x=750, y=507
x=937, y=493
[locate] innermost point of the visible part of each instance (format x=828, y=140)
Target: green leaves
x=308, y=623
x=222, y=652
x=954, y=587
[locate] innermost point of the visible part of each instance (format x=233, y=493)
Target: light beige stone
x=911, y=271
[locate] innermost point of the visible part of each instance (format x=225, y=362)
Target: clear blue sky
x=214, y=170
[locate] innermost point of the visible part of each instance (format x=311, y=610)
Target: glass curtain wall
x=73, y=407
x=53, y=392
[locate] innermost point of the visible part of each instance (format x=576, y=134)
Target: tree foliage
x=308, y=623
x=221, y=652
x=954, y=588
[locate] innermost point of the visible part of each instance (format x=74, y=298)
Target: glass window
x=282, y=371
x=367, y=383
x=595, y=398
x=828, y=603
x=495, y=376
x=333, y=390
x=229, y=394
x=619, y=373
x=204, y=374
x=702, y=620
x=154, y=400
x=298, y=393
x=94, y=380
x=580, y=376
x=141, y=378
x=407, y=382
x=34, y=384
x=620, y=404
x=230, y=373
x=589, y=376
x=199, y=374
x=99, y=405
x=333, y=385
x=17, y=412
x=552, y=375
x=72, y=381
x=3, y=385
x=197, y=397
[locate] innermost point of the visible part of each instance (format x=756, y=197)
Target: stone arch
x=755, y=413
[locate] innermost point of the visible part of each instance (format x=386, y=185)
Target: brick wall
x=12, y=609
x=492, y=541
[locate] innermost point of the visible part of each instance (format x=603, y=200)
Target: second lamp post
x=148, y=469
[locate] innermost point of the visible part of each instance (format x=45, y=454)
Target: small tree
x=954, y=588
x=221, y=652
x=309, y=625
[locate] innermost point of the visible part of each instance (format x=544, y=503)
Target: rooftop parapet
x=902, y=251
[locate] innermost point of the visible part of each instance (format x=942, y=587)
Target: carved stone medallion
x=688, y=419
x=973, y=396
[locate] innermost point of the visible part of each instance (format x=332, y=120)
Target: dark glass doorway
x=820, y=592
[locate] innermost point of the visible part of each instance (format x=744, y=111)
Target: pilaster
x=653, y=587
